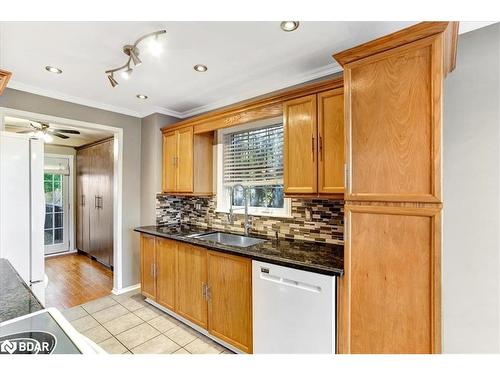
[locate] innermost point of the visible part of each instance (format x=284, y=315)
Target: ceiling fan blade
x=68, y=131
x=60, y=135
x=25, y=131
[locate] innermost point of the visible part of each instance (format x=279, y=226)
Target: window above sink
x=252, y=155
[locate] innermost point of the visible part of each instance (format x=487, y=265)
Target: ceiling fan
x=44, y=131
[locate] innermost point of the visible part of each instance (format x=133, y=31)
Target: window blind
x=254, y=157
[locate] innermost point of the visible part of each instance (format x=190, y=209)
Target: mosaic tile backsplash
x=313, y=220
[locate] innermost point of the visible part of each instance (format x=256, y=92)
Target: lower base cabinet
x=191, y=301
x=230, y=299
x=211, y=289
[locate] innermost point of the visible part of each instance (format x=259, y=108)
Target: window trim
x=223, y=196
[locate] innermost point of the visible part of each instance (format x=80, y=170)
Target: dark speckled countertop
x=315, y=257
x=16, y=298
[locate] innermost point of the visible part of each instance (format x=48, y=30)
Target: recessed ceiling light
x=289, y=25
x=200, y=68
x=53, y=69
x=141, y=96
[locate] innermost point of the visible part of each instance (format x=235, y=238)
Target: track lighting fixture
x=132, y=51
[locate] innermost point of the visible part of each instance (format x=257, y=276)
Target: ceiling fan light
x=47, y=138
x=112, y=80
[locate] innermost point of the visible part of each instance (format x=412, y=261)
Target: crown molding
x=72, y=99
x=298, y=79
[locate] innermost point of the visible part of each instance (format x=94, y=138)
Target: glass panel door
x=56, y=213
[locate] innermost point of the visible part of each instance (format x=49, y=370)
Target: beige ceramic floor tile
x=199, y=346
x=147, y=313
x=97, y=334
x=213, y=343
x=137, y=335
x=122, y=323
x=162, y=323
x=181, y=335
x=181, y=351
x=85, y=323
x=133, y=304
x=99, y=304
x=158, y=345
x=113, y=346
x=110, y=313
x=74, y=313
x=121, y=297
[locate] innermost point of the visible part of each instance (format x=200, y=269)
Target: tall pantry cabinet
x=390, y=294
x=94, y=231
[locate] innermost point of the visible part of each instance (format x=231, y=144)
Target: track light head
x=112, y=80
x=133, y=52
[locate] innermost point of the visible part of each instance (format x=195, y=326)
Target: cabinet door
x=95, y=187
x=166, y=260
x=169, y=162
x=230, y=299
x=300, y=147
x=84, y=200
x=185, y=160
x=389, y=297
x=191, y=282
x=148, y=264
x=393, y=103
x=105, y=203
x=331, y=142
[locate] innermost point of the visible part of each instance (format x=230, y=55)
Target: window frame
x=223, y=195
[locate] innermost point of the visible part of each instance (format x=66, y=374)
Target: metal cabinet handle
x=312, y=146
x=83, y=200
x=100, y=202
x=321, y=148
x=96, y=204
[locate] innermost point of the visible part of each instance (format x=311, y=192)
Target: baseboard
x=61, y=253
x=117, y=292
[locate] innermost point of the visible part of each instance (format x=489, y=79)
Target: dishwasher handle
x=264, y=275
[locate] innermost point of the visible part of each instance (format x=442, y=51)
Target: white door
x=56, y=228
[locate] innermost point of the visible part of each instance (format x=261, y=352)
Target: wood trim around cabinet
x=259, y=108
x=434, y=42
x=408, y=35
x=4, y=79
x=344, y=293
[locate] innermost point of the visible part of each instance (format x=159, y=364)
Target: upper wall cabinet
x=187, y=162
x=394, y=114
x=314, y=144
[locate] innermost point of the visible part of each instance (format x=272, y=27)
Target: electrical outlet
x=197, y=206
x=308, y=214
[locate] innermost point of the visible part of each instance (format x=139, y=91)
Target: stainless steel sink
x=230, y=239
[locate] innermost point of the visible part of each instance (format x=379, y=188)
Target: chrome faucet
x=247, y=225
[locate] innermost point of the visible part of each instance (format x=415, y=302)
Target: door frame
x=117, y=182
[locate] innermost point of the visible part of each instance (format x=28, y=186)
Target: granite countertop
x=315, y=257
x=16, y=299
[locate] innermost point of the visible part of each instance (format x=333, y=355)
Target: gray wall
x=471, y=223
x=151, y=163
x=131, y=162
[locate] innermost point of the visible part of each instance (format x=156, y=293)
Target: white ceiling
x=244, y=59
x=86, y=136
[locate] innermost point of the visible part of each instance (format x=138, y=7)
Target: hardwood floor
x=75, y=279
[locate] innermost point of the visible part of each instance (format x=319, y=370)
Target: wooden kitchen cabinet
x=390, y=293
x=230, y=299
x=191, y=278
x=166, y=266
x=331, y=142
x=187, y=162
x=314, y=144
x=300, y=145
x=148, y=266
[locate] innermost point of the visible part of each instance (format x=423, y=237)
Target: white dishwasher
x=293, y=310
